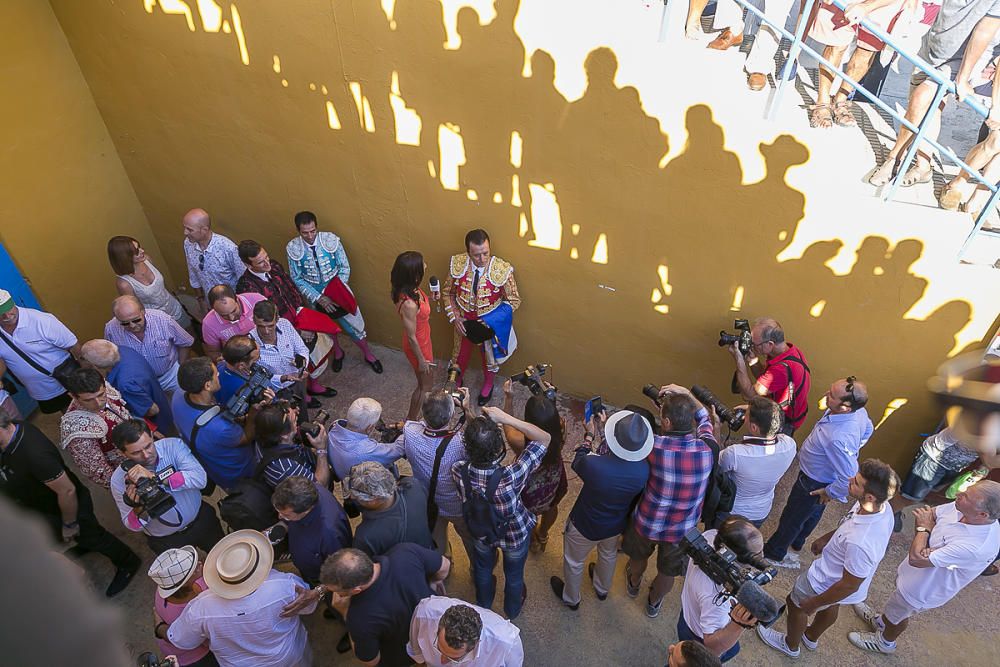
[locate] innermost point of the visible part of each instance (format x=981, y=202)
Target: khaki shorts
x=803, y=589
x=897, y=609
x=671, y=561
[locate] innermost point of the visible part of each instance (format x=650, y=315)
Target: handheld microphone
x=759, y=603
x=435, y=286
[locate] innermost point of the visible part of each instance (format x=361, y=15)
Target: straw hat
x=238, y=564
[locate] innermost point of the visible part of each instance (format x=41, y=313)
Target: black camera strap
x=432, y=507
x=791, y=387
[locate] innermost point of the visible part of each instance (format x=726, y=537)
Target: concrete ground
x=614, y=632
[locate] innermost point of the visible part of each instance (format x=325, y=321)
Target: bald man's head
x=130, y=313
x=197, y=226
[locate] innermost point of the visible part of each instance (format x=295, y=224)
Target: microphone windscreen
x=758, y=602
x=433, y=282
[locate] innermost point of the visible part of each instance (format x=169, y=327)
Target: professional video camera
x=739, y=581
x=531, y=378
x=250, y=393
x=154, y=499
x=733, y=417
x=312, y=428
x=742, y=338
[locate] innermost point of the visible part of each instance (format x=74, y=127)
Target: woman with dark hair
x=414, y=310
x=547, y=485
x=139, y=278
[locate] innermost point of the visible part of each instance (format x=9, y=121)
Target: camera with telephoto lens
x=250, y=393
x=740, y=581
x=153, y=497
x=451, y=384
x=149, y=659
x=733, y=417
x=742, y=338
x=312, y=428
x=531, y=378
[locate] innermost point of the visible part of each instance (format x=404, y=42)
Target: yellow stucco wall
x=63, y=190
x=642, y=204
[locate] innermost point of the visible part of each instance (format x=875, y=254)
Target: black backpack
x=248, y=504
x=721, y=492
x=483, y=519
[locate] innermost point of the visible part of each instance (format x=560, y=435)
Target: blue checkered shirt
x=280, y=357
x=520, y=521
x=160, y=342
x=221, y=265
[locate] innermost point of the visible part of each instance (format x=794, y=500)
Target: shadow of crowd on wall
x=603, y=156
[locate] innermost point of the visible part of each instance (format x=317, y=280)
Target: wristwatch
x=921, y=529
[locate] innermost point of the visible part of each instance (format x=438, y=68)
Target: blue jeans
x=513, y=574
x=801, y=514
x=684, y=633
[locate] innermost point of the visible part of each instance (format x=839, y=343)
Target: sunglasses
x=850, y=388
x=126, y=323
x=201, y=262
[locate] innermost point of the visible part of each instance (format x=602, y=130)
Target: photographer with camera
x=709, y=614
x=548, y=484
x=239, y=356
x=281, y=456
x=491, y=503
x=221, y=445
x=158, y=490
x=847, y=560
x=611, y=483
x=355, y=439
x=786, y=375
x=757, y=461
x=392, y=511
x=679, y=469
x=433, y=446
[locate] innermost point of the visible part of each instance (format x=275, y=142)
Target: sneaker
x=776, y=640
x=653, y=610
x=630, y=590
x=869, y=616
x=790, y=561
x=558, y=586
x=811, y=645
x=590, y=571
x=872, y=641
x=123, y=575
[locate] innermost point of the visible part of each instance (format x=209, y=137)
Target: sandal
x=916, y=175
x=952, y=198
x=820, y=116
x=883, y=173
x=842, y=114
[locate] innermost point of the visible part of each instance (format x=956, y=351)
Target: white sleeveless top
x=156, y=295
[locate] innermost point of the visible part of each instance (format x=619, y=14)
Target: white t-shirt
x=858, y=547
x=45, y=340
x=959, y=552
x=756, y=470
x=698, y=599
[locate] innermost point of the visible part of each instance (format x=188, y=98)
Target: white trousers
x=576, y=548
x=728, y=14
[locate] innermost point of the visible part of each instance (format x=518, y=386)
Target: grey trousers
x=576, y=548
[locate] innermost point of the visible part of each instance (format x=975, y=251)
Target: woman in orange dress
x=415, y=311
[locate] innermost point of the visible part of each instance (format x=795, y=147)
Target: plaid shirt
x=679, y=468
x=279, y=288
x=508, y=496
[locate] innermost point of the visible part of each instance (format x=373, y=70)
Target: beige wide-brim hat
x=238, y=564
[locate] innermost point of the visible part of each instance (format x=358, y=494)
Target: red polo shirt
x=775, y=382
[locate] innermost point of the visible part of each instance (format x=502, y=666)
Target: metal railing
x=944, y=86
